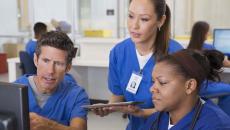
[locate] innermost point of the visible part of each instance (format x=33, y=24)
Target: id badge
x=134, y=83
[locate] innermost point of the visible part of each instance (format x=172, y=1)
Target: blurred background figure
x=62, y=26
x=199, y=35
x=39, y=29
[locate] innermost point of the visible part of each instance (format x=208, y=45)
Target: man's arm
x=41, y=123
x=79, y=124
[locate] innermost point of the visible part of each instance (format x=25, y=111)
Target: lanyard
x=141, y=72
x=198, y=109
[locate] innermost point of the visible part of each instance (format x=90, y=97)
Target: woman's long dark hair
x=162, y=38
x=198, y=36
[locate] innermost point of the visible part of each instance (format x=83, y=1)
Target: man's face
x=51, y=67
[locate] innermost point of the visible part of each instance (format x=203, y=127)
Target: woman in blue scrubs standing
x=133, y=59
x=177, y=81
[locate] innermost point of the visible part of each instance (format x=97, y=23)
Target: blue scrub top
x=210, y=118
x=31, y=47
x=70, y=78
x=63, y=105
x=224, y=104
x=219, y=90
x=208, y=46
x=123, y=62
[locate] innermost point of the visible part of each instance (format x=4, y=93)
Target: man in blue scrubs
x=55, y=102
x=39, y=29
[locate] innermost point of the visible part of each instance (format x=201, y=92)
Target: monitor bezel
x=23, y=101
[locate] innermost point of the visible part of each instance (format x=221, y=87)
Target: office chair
x=27, y=63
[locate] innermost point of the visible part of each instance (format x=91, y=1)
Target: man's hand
x=40, y=123
x=130, y=109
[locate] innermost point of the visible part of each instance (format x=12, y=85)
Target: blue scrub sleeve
x=214, y=89
x=30, y=48
x=78, y=111
x=113, y=79
x=174, y=46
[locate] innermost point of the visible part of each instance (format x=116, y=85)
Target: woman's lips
x=135, y=35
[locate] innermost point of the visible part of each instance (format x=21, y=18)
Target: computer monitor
x=221, y=40
x=14, y=110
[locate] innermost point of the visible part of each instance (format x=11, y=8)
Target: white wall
x=45, y=10
x=181, y=18
x=216, y=13
x=8, y=14
x=9, y=21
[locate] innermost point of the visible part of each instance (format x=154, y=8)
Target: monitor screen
x=222, y=40
x=14, y=106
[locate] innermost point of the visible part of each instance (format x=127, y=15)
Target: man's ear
x=35, y=60
x=68, y=67
x=190, y=86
